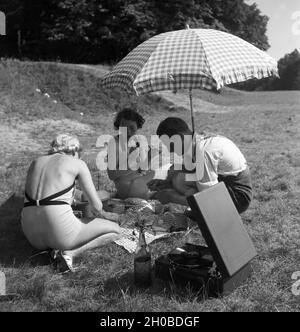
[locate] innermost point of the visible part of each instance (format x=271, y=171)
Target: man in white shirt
x=216, y=159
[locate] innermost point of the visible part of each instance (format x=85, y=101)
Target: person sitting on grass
x=221, y=161
x=129, y=183
x=48, y=221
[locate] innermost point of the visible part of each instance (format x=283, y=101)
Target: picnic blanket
x=130, y=237
x=159, y=220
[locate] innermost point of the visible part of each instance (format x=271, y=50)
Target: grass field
x=266, y=126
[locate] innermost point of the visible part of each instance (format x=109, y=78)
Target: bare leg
x=94, y=234
x=96, y=243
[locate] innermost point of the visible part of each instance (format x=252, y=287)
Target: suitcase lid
x=222, y=229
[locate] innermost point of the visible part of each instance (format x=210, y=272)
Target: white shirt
x=217, y=155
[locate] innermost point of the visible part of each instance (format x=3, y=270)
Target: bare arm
x=88, y=187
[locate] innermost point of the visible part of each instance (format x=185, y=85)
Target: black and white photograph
x=149, y=159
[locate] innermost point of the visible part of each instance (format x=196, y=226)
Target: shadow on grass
x=14, y=247
x=124, y=285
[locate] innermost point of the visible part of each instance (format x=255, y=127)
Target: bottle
x=142, y=262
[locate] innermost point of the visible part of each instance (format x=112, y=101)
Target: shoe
x=64, y=262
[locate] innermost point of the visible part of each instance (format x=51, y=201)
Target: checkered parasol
x=189, y=59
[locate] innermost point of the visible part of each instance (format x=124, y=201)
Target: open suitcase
x=225, y=263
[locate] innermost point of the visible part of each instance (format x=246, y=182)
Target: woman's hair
x=129, y=114
x=65, y=143
x=173, y=126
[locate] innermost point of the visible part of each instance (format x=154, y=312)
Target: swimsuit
x=50, y=222
x=48, y=200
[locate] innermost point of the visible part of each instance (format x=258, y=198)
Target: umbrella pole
x=192, y=111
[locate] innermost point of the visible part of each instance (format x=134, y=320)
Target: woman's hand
x=88, y=188
x=100, y=213
x=96, y=210
x=110, y=216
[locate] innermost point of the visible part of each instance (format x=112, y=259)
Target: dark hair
x=173, y=126
x=129, y=114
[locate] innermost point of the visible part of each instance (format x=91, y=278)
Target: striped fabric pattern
x=189, y=59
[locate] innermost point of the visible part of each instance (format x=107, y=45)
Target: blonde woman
x=48, y=220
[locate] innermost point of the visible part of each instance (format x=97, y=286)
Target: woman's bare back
x=50, y=174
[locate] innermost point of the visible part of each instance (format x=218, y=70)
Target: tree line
x=98, y=31
x=95, y=31
x=289, y=76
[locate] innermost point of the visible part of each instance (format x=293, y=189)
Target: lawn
x=39, y=100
